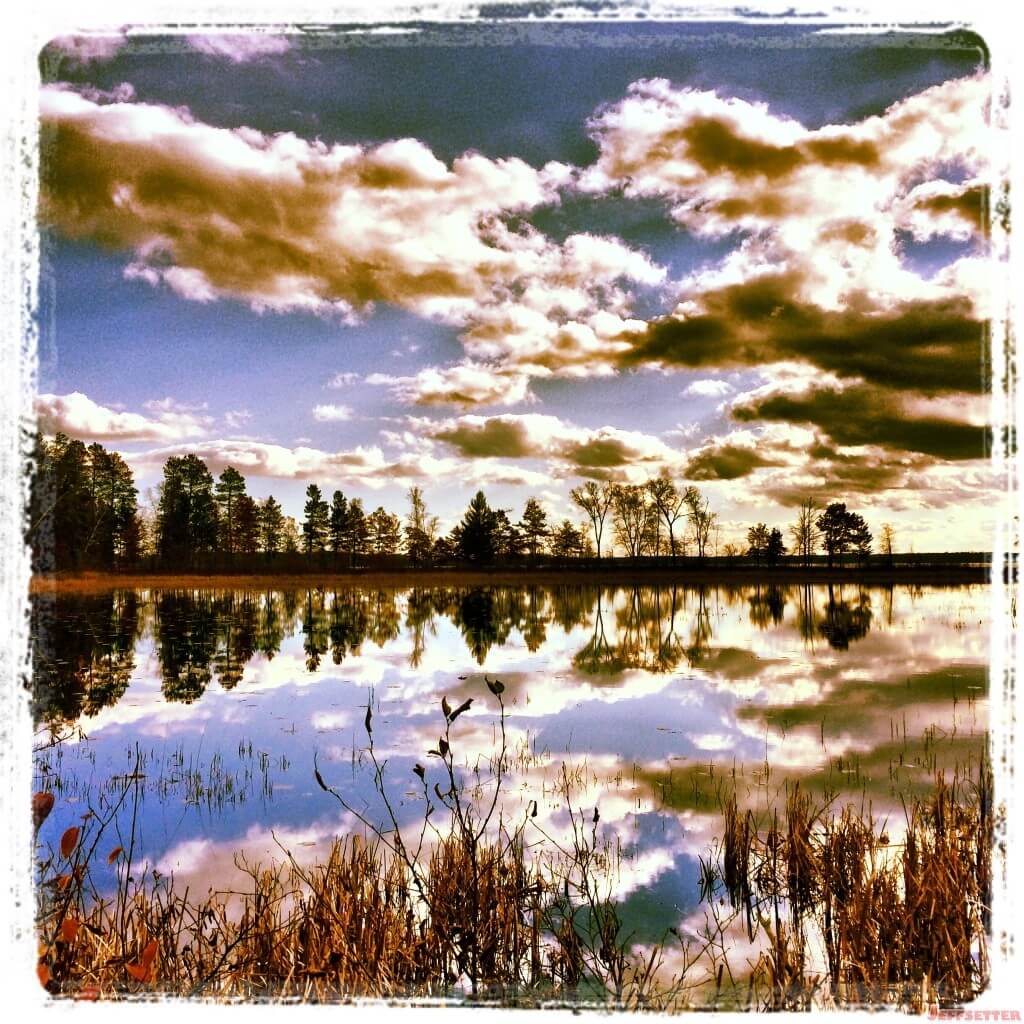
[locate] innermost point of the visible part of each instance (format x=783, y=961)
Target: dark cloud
x=493, y=438
x=725, y=462
x=970, y=205
x=599, y=453
x=720, y=146
x=866, y=415
x=924, y=345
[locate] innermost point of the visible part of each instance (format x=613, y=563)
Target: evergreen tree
x=230, y=490
x=356, y=533
x=338, y=521
x=758, y=539
x=534, y=526
x=317, y=522
x=476, y=542
x=775, y=548
x=247, y=525
x=271, y=526
x=187, y=511
x=842, y=530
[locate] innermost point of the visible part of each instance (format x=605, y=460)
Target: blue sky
x=550, y=111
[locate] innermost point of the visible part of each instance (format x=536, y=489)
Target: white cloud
x=708, y=388
x=79, y=416
x=331, y=413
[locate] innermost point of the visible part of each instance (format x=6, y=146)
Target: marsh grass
x=851, y=917
x=482, y=907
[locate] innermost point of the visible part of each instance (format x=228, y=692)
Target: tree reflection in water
x=83, y=647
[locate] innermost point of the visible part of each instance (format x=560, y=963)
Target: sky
x=520, y=256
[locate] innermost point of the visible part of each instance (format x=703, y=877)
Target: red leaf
x=90, y=993
x=69, y=929
x=43, y=974
x=63, y=882
x=149, y=953
x=42, y=804
x=114, y=854
x=69, y=841
x=138, y=972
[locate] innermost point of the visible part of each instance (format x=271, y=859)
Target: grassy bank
x=738, y=575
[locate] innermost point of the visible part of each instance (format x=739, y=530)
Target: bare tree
x=595, y=501
x=631, y=518
x=669, y=504
x=701, y=519
x=805, y=532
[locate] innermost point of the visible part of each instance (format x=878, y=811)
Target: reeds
x=839, y=912
x=851, y=917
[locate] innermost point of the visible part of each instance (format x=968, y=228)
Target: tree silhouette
x=758, y=538
x=315, y=527
x=338, y=523
x=385, y=532
x=702, y=521
x=271, y=526
x=534, y=526
x=595, y=502
x=631, y=514
x=805, y=532
x=669, y=503
x=476, y=541
x=842, y=531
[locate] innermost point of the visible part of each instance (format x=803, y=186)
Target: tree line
x=84, y=514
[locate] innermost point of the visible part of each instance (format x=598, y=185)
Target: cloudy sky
x=518, y=257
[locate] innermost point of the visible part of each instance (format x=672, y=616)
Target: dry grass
x=852, y=918
x=842, y=915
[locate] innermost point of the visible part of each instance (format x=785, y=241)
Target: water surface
x=648, y=696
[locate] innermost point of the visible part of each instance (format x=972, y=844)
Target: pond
x=628, y=705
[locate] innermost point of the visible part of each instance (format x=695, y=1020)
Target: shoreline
x=99, y=582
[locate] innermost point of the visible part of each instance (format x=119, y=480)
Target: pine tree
x=477, y=536
x=271, y=526
x=338, y=521
x=187, y=511
x=229, y=490
x=534, y=526
x=316, y=526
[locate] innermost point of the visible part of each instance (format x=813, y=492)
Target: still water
x=639, y=698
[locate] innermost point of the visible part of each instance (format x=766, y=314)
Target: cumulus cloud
x=726, y=163
x=286, y=224
x=464, y=383
x=708, y=388
x=79, y=416
x=331, y=413
x=866, y=414
x=942, y=208
x=571, y=450
x=363, y=465
x=768, y=318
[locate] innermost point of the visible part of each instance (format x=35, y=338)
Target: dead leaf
x=43, y=974
x=69, y=929
x=42, y=804
x=69, y=841
x=114, y=854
